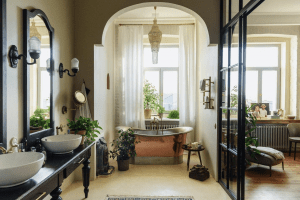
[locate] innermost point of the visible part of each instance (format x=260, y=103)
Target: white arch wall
x=159, y=4
x=91, y=17
x=207, y=59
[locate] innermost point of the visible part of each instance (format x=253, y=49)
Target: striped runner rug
x=131, y=197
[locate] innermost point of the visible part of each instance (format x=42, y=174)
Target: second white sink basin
x=60, y=144
x=17, y=168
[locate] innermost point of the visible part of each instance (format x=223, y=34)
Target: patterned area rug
x=110, y=197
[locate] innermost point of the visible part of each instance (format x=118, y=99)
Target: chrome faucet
x=156, y=124
x=4, y=151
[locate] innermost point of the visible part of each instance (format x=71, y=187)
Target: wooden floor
x=280, y=186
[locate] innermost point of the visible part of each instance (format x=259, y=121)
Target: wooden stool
x=189, y=155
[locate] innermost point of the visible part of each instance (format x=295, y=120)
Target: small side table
x=189, y=155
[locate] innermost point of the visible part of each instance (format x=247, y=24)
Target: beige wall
x=206, y=133
x=61, y=17
x=91, y=17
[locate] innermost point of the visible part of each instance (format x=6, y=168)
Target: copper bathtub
x=160, y=147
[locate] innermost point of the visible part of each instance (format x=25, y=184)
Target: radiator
x=160, y=127
x=274, y=136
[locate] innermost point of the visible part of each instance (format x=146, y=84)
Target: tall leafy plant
x=124, y=145
x=150, y=96
x=250, y=125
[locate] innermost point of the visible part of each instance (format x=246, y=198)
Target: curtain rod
x=152, y=24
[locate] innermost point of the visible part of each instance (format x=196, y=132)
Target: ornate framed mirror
x=3, y=65
x=38, y=78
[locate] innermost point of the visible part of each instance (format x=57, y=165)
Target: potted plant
x=150, y=99
x=174, y=114
x=38, y=122
x=160, y=110
x=124, y=148
x=85, y=127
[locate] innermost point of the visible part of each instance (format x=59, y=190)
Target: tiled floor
x=150, y=180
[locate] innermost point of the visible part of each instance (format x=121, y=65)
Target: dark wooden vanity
x=50, y=177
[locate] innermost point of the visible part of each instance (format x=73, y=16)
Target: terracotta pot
x=81, y=132
x=147, y=113
x=35, y=129
x=123, y=165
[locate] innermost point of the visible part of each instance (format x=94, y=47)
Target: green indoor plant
x=38, y=122
x=174, y=114
x=250, y=125
x=85, y=127
x=150, y=98
x=124, y=148
x=160, y=110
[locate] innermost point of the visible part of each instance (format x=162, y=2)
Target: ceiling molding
x=159, y=21
x=275, y=13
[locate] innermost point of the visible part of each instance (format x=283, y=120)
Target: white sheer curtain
x=187, y=78
x=129, y=108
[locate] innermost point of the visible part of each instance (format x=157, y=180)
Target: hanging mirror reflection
x=40, y=78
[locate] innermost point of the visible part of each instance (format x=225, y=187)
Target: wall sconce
x=74, y=68
x=34, y=52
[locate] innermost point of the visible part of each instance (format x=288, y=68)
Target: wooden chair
x=294, y=136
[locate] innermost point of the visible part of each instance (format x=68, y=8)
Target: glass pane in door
x=251, y=87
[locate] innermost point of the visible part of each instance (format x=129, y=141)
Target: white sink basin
x=60, y=144
x=17, y=168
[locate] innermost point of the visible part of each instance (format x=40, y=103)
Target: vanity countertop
x=55, y=165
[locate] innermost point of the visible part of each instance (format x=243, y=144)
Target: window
x=262, y=75
x=43, y=79
x=164, y=75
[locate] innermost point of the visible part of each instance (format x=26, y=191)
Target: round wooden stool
x=189, y=155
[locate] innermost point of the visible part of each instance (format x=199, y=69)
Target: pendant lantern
x=155, y=36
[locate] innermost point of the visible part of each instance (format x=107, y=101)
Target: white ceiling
x=148, y=13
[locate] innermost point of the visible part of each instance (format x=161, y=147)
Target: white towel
x=278, y=155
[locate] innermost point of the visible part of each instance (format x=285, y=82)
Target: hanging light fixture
x=155, y=38
x=34, y=31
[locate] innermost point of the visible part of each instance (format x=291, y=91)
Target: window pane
x=45, y=54
x=262, y=56
x=153, y=78
x=170, y=88
x=45, y=90
x=234, y=79
x=269, y=89
x=167, y=57
x=251, y=87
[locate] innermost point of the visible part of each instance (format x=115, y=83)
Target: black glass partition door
x=231, y=95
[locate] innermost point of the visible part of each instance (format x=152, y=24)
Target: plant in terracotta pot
x=150, y=99
x=38, y=122
x=85, y=127
x=124, y=148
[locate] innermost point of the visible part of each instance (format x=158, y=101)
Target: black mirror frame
x=3, y=83
x=31, y=138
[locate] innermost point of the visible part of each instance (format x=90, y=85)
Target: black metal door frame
x=239, y=152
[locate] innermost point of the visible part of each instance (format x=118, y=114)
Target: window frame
x=161, y=71
x=260, y=71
